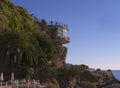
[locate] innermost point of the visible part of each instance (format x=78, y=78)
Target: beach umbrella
x=12, y=76
x=1, y=76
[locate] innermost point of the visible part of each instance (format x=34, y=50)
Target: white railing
x=21, y=84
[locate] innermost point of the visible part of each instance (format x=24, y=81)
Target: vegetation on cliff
x=31, y=53
x=15, y=17
x=20, y=45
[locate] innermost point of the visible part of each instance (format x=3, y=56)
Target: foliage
x=3, y=23
x=14, y=45
x=47, y=49
x=17, y=18
x=78, y=72
x=89, y=76
x=20, y=44
x=27, y=71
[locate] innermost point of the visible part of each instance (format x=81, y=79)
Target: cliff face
x=106, y=77
x=22, y=46
x=81, y=78
x=61, y=56
x=105, y=80
x=58, y=33
x=17, y=18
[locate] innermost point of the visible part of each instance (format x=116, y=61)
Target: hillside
x=15, y=17
x=21, y=46
x=33, y=49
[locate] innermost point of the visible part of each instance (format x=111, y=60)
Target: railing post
x=1, y=84
x=17, y=84
x=28, y=84
x=6, y=84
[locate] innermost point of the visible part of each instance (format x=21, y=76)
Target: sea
x=116, y=74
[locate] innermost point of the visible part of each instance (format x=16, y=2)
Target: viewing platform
x=59, y=32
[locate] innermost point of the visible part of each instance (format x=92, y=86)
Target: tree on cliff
x=14, y=45
x=20, y=44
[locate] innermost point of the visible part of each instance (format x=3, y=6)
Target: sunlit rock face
x=59, y=35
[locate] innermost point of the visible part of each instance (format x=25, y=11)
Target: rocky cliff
x=56, y=33
x=55, y=75
x=78, y=76
x=96, y=79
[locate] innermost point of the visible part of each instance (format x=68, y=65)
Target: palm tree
x=48, y=51
x=15, y=45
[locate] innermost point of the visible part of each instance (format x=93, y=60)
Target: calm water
x=116, y=74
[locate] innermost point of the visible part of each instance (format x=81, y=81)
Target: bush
x=88, y=76
x=27, y=72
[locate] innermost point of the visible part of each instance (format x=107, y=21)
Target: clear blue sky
x=94, y=28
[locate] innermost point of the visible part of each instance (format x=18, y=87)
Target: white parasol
x=12, y=76
x=1, y=76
